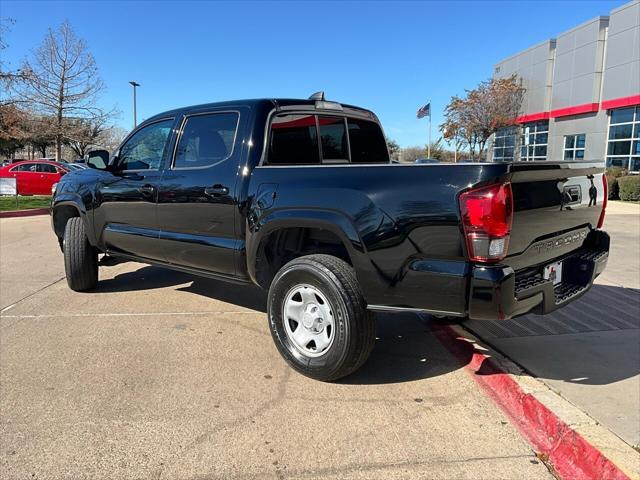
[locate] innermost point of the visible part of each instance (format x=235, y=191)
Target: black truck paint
x=397, y=225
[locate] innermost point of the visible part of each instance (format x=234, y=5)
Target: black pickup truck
x=300, y=198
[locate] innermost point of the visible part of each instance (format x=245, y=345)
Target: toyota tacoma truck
x=300, y=198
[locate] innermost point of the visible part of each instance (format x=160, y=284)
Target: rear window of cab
x=307, y=139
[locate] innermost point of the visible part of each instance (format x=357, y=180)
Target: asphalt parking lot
x=158, y=374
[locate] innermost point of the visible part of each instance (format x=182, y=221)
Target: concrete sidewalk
x=589, y=351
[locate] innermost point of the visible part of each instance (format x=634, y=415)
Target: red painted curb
x=25, y=213
x=570, y=454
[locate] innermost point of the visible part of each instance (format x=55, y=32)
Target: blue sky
x=390, y=57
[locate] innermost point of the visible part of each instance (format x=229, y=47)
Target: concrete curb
x=24, y=213
x=561, y=434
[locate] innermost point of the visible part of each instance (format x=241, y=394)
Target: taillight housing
x=605, y=187
x=487, y=215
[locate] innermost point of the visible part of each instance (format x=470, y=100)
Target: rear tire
x=80, y=258
x=338, y=332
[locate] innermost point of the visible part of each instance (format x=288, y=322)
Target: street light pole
x=135, y=119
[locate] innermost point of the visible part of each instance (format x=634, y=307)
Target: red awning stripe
x=532, y=117
x=575, y=110
x=621, y=102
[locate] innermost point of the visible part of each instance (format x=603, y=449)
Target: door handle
x=147, y=190
x=216, y=191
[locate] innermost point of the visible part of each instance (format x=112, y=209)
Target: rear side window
x=333, y=135
x=206, y=140
x=294, y=140
x=46, y=168
x=367, y=142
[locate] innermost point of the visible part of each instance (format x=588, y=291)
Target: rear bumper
x=497, y=293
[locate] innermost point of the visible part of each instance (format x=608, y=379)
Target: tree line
x=470, y=120
x=51, y=100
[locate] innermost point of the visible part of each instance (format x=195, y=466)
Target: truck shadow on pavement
x=405, y=348
x=592, y=341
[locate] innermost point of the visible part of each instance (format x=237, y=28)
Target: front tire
x=318, y=317
x=80, y=258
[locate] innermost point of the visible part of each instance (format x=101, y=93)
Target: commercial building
x=582, y=99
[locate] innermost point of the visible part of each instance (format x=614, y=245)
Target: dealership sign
x=8, y=186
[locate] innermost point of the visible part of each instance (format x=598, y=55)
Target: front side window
x=367, y=142
x=333, y=135
x=294, y=140
x=534, y=141
x=206, y=140
x=25, y=167
x=145, y=149
x=623, y=147
x=574, y=147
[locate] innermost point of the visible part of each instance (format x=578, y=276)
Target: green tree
x=394, y=148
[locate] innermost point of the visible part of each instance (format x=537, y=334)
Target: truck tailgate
x=555, y=207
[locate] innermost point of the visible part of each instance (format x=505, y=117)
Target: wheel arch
x=62, y=211
x=328, y=231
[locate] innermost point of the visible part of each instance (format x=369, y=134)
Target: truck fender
x=335, y=222
x=67, y=206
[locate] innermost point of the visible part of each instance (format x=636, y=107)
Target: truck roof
x=261, y=102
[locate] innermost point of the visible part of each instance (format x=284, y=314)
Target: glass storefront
x=623, y=147
x=504, y=144
x=574, y=147
x=534, y=141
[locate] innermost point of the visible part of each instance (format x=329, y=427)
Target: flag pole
x=429, y=144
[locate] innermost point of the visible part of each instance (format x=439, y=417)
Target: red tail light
x=605, y=187
x=487, y=214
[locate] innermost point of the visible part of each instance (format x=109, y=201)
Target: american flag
x=424, y=111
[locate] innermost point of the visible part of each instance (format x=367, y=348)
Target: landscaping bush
x=629, y=188
x=612, y=188
x=613, y=174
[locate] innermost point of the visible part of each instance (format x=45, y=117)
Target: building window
x=535, y=137
x=574, y=147
x=623, y=149
x=504, y=144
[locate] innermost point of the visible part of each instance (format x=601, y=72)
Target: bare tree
x=62, y=83
x=84, y=134
x=8, y=77
x=111, y=138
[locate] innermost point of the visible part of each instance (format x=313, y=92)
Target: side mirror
x=98, y=159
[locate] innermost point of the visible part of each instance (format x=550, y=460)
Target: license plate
x=553, y=272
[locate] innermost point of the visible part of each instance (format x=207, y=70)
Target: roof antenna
x=317, y=96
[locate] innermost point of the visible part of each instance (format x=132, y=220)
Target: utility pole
x=135, y=119
x=429, y=144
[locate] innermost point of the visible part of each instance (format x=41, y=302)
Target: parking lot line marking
x=570, y=454
x=130, y=314
x=32, y=294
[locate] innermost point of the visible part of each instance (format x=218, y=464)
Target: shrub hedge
x=613, y=174
x=629, y=188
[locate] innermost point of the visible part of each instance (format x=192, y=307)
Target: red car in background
x=34, y=177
